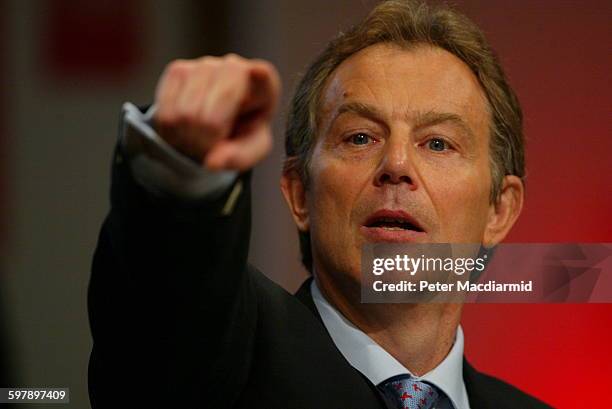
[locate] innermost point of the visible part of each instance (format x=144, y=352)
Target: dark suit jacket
x=179, y=318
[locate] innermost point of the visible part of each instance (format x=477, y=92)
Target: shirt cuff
x=160, y=168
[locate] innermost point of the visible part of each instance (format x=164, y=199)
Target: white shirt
x=159, y=167
x=378, y=365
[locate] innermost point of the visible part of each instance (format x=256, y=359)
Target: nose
x=396, y=166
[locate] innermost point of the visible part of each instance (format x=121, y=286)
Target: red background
x=557, y=55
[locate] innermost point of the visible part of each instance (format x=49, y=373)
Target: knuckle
x=233, y=57
x=236, y=61
x=208, y=62
x=178, y=68
x=236, y=67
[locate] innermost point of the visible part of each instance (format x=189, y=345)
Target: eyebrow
x=431, y=118
x=361, y=109
x=421, y=119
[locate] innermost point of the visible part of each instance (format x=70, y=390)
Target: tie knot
x=409, y=393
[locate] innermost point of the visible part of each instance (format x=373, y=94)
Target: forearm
x=169, y=281
x=171, y=303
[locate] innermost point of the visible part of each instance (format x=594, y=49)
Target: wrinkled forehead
x=404, y=82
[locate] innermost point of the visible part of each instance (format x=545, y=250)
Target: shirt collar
x=378, y=365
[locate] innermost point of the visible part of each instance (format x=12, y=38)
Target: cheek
x=462, y=204
x=334, y=190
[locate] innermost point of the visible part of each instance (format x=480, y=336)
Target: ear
x=504, y=212
x=295, y=194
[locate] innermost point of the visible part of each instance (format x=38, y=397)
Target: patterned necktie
x=409, y=393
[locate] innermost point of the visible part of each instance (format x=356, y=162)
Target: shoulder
x=485, y=391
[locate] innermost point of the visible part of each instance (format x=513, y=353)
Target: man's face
x=402, y=155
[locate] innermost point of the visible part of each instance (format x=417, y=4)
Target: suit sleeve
x=172, y=308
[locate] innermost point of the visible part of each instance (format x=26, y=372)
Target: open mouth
x=394, y=220
x=389, y=223
x=392, y=226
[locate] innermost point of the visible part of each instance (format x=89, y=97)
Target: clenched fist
x=218, y=110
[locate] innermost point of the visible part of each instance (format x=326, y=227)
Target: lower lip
x=376, y=234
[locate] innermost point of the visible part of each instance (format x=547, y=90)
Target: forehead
x=401, y=82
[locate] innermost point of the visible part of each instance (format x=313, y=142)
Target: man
x=403, y=130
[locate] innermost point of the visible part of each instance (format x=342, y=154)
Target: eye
x=437, y=144
x=360, y=139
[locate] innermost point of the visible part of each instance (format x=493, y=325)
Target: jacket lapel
x=305, y=296
x=473, y=385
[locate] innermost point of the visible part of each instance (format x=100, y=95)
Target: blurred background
x=67, y=66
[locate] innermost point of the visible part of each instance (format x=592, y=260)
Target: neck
x=419, y=336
